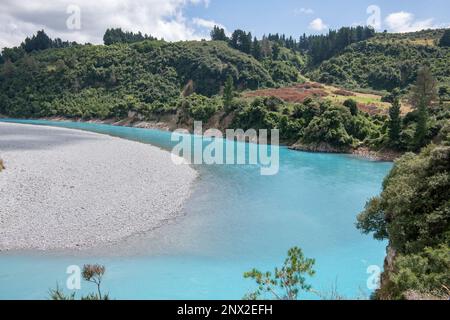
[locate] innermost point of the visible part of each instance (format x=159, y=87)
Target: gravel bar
x=71, y=189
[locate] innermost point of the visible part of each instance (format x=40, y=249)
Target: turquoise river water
x=235, y=220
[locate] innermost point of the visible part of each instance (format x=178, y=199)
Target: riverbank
x=170, y=125
x=361, y=152
x=71, y=189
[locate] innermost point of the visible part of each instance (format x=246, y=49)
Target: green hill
x=104, y=81
x=386, y=61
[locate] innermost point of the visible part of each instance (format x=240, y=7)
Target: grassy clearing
x=369, y=102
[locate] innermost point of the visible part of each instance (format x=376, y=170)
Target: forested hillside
x=106, y=81
x=155, y=80
x=386, y=61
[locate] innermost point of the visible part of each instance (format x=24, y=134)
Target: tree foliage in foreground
x=90, y=273
x=284, y=283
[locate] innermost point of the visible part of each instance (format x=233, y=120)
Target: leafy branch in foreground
x=94, y=274
x=284, y=283
x=91, y=273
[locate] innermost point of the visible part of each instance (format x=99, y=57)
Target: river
x=235, y=220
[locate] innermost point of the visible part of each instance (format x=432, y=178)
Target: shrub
x=330, y=127
x=202, y=108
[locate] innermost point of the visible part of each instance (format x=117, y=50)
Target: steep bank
x=413, y=213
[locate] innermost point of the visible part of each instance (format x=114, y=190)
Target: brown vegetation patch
x=372, y=109
x=295, y=94
x=345, y=93
x=309, y=85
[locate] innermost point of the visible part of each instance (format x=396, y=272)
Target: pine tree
x=352, y=105
x=423, y=93
x=228, y=93
x=242, y=41
x=256, y=49
x=276, y=51
x=394, y=123
x=445, y=40
x=247, y=43
x=218, y=34
x=266, y=47
x=40, y=41
x=443, y=91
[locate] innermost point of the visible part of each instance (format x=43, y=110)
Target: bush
x=330, y=127
x=425, y=272
x=202, y=108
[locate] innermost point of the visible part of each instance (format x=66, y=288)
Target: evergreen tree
x=8, y=69
x=218, y=34
x=445, y=40
x=275, y=51
x=228, y=93
x=423, y=93
x=247, y=43
x=323, y=47
x=112, y=36
x=256, y=49
x=266, y=48
x=40, y=41
x=443, y=91
x=242, y=41
x=394, y=123
x=352, y=105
